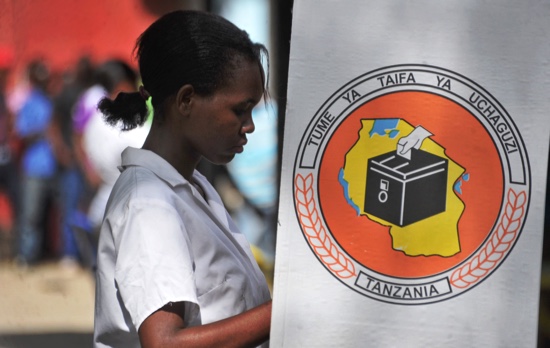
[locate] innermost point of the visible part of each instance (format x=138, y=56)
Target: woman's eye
x=240, y=112
x=243, y=109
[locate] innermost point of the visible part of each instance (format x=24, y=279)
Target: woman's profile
x=173, y=269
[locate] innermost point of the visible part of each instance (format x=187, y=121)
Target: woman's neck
x=161, y=143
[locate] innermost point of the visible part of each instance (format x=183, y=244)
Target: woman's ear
x=184, y=98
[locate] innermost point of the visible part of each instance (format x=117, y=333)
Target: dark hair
x=113, y=72
x=182, y=47
x=38, y=73
x=84, y=71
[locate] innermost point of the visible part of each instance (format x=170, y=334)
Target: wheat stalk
x=315, y=232
x=497, y=246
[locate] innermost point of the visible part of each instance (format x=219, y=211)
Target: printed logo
x=411, y=184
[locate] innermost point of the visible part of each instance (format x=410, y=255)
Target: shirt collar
x=150, y=160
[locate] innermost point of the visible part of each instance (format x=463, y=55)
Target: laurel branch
x=499, y=243
x=315, y=232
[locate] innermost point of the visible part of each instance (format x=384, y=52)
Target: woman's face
x=218, y=124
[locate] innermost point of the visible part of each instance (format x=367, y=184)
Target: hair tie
x=143, y=93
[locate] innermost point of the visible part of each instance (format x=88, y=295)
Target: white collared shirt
x=162, y=242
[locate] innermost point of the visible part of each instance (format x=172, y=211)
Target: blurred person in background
x=8, y=166
x=72, y=187
x=32, y=121
x=102, y=144
x=97, y=149
x=84, y=109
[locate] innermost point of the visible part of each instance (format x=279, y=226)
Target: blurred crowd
x=59, y=159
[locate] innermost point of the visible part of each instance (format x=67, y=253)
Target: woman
x=172, y=268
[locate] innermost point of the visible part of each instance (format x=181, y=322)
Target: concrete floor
x=48, y=305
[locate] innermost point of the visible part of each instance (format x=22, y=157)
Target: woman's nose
x=248, y=126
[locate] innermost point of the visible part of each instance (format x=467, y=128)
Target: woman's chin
x=222, y=159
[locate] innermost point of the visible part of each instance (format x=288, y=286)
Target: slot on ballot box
x=403, y=191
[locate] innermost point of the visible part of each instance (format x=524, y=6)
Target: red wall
x=63, y=30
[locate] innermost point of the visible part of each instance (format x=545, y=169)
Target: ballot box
x=403, y=191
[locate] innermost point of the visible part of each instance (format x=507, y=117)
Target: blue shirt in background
x=33, y=119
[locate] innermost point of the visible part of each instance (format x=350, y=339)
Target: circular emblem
x=411, y=184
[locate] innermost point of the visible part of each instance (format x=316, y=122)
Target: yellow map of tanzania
x=437, y=235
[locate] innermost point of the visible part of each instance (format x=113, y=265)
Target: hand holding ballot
x=413, y=140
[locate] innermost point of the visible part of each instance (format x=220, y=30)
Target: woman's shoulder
x=140, y=183
x=137, y=183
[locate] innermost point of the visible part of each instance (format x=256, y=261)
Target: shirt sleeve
x=154, y=263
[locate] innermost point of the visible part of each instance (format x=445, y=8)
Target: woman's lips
x=240, y=146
